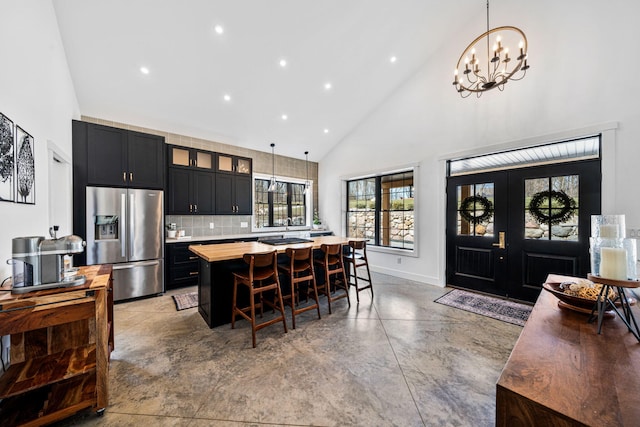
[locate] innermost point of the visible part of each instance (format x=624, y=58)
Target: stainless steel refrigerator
x=125, y=227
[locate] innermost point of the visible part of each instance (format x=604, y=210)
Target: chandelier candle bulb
x=613, y=263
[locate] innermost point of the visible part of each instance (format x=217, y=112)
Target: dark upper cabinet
x=122, y=158
x=190, y=192
x=106, y=155
x=233, y=185
x=191, y=158
x=226, y=163
x=233, y=194
x=145, y=160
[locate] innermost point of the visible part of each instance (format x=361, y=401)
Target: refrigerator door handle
x=131, y=234
x=134, y=265
x=123, y=232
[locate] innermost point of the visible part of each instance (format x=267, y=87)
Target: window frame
x=308, y=203
x=373, y=244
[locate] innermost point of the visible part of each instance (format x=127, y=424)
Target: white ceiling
x=345, y=42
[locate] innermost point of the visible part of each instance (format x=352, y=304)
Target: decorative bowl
x=571, y=300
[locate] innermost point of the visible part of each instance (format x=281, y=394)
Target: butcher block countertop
x=229, y=251
x=561, y=372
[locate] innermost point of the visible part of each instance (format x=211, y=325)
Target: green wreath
x=468, y=209
x=548, y=214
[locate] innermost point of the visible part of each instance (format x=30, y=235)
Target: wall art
x=25, y=168
x=7, y=170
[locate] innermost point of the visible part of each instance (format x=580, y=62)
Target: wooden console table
x=60, y=345
x=561, y=372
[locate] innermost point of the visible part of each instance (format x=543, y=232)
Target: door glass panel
x=475, y=209
x=225, y=163
x=244, y=166
x=203, y=160
x=180, y=156
x=551, y=208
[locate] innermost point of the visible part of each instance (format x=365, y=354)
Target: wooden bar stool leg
x=234, y=304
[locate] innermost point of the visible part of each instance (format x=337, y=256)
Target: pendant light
x=307, y=184
x=272, y=184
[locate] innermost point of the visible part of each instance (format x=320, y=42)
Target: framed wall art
x=7, y=170
x=25, y=168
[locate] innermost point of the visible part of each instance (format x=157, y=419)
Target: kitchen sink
x=285, y=241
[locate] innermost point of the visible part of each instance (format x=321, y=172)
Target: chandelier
x=470, y=76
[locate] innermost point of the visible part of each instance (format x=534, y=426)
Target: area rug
x=496, y=308
x=184, y=301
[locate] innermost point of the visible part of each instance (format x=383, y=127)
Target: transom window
x=284, y=206
x=381, y=208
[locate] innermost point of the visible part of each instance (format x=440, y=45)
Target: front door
x=507, y=230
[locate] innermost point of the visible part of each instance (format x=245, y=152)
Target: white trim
x=608, y=167
x=415, y=169
x=308, y=200
x=533, y=141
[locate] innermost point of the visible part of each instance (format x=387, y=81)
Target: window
x=551, y=207
x=285, y=206
x=380, y=208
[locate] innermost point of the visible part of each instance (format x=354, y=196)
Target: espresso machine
x=38, y=263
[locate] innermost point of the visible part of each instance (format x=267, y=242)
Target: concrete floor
x=399, y=360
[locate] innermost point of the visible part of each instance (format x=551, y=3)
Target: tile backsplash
x=199, y=225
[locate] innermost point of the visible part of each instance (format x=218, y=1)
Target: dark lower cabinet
x=182, y=266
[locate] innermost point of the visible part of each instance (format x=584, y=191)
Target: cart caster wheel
x=100, y=412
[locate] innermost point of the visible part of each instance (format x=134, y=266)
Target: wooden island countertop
x=230, y=251
x=561, y=372
x=217, y=263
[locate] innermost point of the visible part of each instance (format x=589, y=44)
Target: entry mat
x=184, y=301
x=496, y=308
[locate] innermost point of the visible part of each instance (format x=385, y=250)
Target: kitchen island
x=219, y=261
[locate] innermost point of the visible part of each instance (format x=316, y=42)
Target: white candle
x=609, y=231
x=613, y=263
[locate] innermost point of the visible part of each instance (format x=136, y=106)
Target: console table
x=561, y=372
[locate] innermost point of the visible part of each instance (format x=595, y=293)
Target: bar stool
x=331, y=264
x=357, y=257
x=260, y=277
x=300, y=270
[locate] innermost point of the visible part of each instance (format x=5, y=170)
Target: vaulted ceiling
x=197, y=52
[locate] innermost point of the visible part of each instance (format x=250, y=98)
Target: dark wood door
x=106, y=156
x=178, y=192
x=474, y=259
x=203, y=192
x=146, y=162
x=544, y=213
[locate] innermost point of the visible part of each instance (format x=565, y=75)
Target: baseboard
x=434, y=281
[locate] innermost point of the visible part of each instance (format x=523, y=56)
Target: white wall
x=584, y=60
x=37, y=94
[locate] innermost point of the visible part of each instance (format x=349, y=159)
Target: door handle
x=131, y=176
x=501, y=240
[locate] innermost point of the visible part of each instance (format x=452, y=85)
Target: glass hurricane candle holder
x=608, y=226
x=613, y=258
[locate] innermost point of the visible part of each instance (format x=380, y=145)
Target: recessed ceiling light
x=326, y=131
x=393, y=59
x=283, y=63
x=144, y=70
x=218, y=29
x=327, y=86
x=284, y=117
x=227, y=97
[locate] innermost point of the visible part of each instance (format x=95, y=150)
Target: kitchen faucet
x=289, y=222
